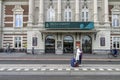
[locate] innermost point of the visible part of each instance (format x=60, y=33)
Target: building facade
x=58, y=26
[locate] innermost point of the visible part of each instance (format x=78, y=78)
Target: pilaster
x=31, y=12
x=106, y=11
x=41, y=12
x=77, y=10
x=95, y=11
x=59, y=10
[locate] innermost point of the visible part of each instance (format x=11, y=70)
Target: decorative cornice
x=115, y=8
x=17, y=8
x=67, y=3
x=51, y=3
x=85, y=4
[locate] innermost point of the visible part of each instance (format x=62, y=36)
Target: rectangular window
x=116, y=42
x=18, y=42
x=18, y=20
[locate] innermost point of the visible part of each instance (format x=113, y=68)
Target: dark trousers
x=80, y=59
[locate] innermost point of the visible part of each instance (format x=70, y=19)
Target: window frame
x=115, y=20
x=116, y=42
x=67, y=14
x=20, y=21
x=18, y=41
x=17, y=10
x=85, y=14
x=51, y=14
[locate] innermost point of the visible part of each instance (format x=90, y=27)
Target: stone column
x=95, y=11
x=0, y=23
x=31, y=10
x=41, y=12
x=59, y=10
x=77, y=10
x=106, y=11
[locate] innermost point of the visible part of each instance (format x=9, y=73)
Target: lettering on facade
x=70, y=25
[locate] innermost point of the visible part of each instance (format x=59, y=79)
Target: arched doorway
x=87, y=44
x=50, y=44
x=68, y=44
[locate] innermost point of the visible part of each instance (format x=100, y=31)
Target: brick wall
x=8, y=20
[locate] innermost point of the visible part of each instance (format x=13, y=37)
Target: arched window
x=18, y=16
x=51, y=14
x=67, y=14
x=85, y=15
x=50, y=44
x=115, y=20
x=115, y=16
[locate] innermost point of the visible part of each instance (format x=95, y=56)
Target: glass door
x=50, y=44
x=87, y=44
x=68, y=44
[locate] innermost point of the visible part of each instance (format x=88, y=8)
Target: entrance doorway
x=50, y=44
x=87, y=44
x=68, y=44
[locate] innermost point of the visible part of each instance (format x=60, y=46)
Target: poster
x=59, y=45
x=34, y=41
x=102, y=41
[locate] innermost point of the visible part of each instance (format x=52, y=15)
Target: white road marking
x=51, y=69
x=18, y=69
x=76, y=69
x=60, y=69
x=101, y=69
x=35, y=69
x=109, y=69
x=26, y=69
x=68, y=69
x=43, y=69
x=2, y=69
x=92, y=69
x=84, y=69
x=117, y=69
x=10, y=69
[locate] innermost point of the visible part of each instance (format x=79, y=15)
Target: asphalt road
x=54, y=62
x=38, y=77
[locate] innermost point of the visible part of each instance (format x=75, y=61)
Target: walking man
x=78, y=56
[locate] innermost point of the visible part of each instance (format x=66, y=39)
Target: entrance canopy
x=93, y=31
x=69, y=31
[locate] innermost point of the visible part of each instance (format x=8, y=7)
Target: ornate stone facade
x=33, y=14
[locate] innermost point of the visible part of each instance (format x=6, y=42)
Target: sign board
x=70, y=25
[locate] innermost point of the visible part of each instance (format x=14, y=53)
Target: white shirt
x=78, y=53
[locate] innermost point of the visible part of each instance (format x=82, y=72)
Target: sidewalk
x=24, y=56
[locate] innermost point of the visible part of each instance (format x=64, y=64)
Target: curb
x=62, y=59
